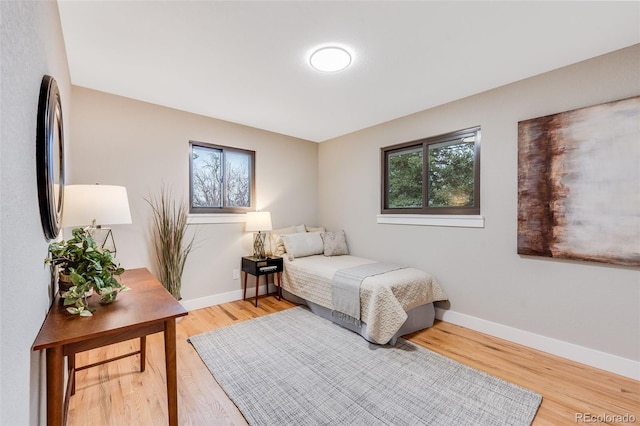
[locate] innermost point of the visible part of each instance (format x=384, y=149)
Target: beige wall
x=588, y=304
x=31, y=45
x=120, y=141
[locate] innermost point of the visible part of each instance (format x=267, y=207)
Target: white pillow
x=276, y=238
x=303, y=244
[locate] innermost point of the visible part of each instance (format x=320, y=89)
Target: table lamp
x=258, y=222
x=95, y=206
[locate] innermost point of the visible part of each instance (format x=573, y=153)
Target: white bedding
x=384, y=298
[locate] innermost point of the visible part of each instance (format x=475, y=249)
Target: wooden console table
x=146, y=309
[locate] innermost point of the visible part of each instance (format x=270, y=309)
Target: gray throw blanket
x=345, y=289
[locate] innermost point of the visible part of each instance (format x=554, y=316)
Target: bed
x=393, y=302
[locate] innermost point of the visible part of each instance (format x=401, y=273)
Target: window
x=222, y=179
x=437, y=175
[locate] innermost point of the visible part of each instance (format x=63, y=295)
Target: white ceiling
x=247, y=62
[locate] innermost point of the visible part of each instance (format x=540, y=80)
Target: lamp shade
x=106, y=204
x=258, y=221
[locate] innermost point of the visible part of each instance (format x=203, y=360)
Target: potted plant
x=84, y=267
x=170, y=242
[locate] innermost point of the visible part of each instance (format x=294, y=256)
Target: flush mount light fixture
x=330, y=59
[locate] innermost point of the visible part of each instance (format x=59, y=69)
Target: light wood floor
x=117, y=394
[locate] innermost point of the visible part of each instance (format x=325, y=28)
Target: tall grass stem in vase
x=171, y=244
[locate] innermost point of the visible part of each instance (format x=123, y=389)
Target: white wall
x=31, y=46
x=120, y=141
x=587, y=304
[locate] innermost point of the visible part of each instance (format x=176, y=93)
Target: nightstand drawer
x=257, y=267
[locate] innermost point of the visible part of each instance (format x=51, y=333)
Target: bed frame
x=418, y=318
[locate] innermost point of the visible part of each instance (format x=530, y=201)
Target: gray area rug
x=295, y=368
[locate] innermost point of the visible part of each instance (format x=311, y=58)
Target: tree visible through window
x=438, y=175
x=405, y=178
x=451, y=176
x=222, y=179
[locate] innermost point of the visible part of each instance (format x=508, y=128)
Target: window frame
x=425, y=143
x=223, y=209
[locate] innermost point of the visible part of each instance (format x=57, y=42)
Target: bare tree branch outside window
x=237, y=177
x=206, y=177
x=222, y=179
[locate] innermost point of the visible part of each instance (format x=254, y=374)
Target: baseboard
x=218, y=299
x=602, y=360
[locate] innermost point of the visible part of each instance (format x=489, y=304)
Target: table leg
x=143, y=353
x=279, y=286
x=71, y=372
x=171, y=368
x=55, y=383
x=257, y=282
x=244, y=294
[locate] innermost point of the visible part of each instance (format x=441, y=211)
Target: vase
x=64, y=283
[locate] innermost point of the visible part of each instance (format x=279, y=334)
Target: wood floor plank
x=117, y=393
x=567, y=387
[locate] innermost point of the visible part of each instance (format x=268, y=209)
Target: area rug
x=295, y=368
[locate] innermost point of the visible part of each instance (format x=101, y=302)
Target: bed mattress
x=384, y=298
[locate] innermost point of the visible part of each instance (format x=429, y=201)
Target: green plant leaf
x=109, y=297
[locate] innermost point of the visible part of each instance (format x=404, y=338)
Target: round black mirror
x=50, y=157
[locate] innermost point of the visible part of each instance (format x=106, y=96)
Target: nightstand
x=258, y=267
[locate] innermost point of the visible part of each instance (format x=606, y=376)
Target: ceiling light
x=330, y=59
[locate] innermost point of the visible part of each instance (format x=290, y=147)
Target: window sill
x=198, y=219
x=458, y=221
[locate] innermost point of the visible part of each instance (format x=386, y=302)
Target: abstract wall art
x=579, y=184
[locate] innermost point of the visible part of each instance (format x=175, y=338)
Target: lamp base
x=104, y=238
x=258, y=245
